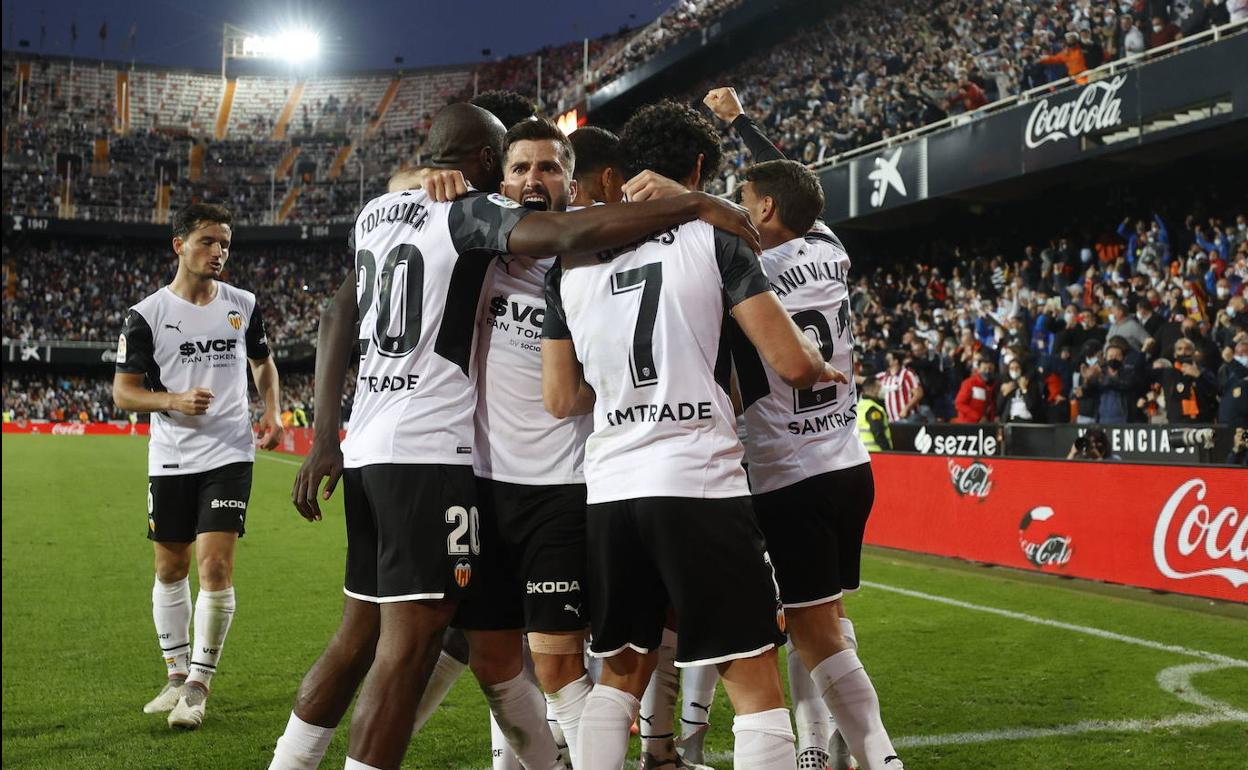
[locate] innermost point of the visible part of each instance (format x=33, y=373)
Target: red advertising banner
x=298, y=441
x=1178, y=529
x=77, y=428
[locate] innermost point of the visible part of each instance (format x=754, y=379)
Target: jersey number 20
x=405, y=261
x=814, y=323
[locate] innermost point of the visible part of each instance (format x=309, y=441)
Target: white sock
x=852, y=700
x=567, y=704
x=171, y=611
x=814, y=721
x=847, y=631
x=658, y=703
x=697, y=692
x=213, y=612
x=302, y=746
x=355, y=764
x=838, y=750
x=501, y=755
x=593, y=666
x=445, y=672
x=604, y=729
x=764, y=741
x=520, y=709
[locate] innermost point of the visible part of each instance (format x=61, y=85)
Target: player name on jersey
x=795, y=277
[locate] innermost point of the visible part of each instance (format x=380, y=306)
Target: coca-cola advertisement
x=77, y=428
x=1182, y=529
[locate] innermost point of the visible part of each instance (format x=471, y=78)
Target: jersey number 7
x=648, y=279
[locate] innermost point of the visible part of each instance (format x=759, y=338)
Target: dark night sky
x=354, y=35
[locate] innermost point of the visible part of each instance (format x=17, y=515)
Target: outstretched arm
x=726, y=105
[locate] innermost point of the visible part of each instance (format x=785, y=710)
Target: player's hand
x=729, y=217
x=831, y=374
x=724, y=103
x=444, y=185
x=324, y=461
x=651, y=186
x=193, y=402
x=271, y=431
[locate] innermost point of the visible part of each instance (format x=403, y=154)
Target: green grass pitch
x=961, y=686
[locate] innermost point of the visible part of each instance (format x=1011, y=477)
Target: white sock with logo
x=764, y=741
x=850, y=696
x=658, y=703
x=302, y=746
x=501, y=755
x=814, y=721
x=445, y=673
x=213, y=612
x=355, y=764
x=604, y=728
x=171, y=611
x=697, y=692
x=566, y=705
x=520, y=709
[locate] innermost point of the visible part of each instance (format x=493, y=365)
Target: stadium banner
x=298, y=441
x=986, y=439
x=1176, y=445
x=105, y=353
x=1166, y=528
x=1193, y=90
x=23, y=224
x=46, y=428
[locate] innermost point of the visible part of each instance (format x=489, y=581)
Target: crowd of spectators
x=683, y=18
x=1146, y=325
x=73, y=290
x=59, y=397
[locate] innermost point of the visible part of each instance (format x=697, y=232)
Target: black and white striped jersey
x=646, y=321
x=419, y=269
x=796, y=433
x=177, y=346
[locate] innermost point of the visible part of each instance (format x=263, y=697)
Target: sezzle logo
x=1051, y=549
x=967, y=444
x=972, y=480
x=1198, y=538
x=463, y=573
x=1096, y=107
x=229, y=504
x=552, y=586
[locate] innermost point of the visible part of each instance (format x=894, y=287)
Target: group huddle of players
x=543, y=452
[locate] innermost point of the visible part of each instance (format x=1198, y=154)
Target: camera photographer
x=1189, y=389
x=1239, y=450
x=1093, y=445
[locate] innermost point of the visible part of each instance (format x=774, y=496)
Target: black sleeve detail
x=875, y=418
x=751, y=374
x=755, y=140
x=824, y=235
x=257, y=339
x=140, y=345
x=555, y=321
x=459, y=319
x=481, y=222
x=739, y=268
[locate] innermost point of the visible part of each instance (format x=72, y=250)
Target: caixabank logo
x=1043, y=544
x=972, y=480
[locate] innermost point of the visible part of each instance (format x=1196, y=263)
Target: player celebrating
x=669, y=511
x=180, y=357
x=599, y=167
x=413, y=536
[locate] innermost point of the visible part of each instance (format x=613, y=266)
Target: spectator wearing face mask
x=1086, y=381
x=976, y=401
x=1020, y=399
x=1188, y=387
x=1233, y=387
x=1164, y=31
x=1117, y=386
x=1125, y=325
x=1071, y=57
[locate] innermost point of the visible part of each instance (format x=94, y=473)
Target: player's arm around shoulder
x=564, y=390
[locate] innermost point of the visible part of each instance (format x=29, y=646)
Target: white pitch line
x=281, y=460
x=1088, y=630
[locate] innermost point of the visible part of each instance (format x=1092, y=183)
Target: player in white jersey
x=414, y=544
x=181, y=358
x=669, y=516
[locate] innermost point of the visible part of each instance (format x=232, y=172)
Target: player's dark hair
x=508, y=106
x=667, y=138
x=190, y=218
x=542, y=130
x=794, y=188
x=596, y=149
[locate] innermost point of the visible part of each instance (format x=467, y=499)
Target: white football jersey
x=517, y=439
x=419, y=268
x=646, y=321
x=792, y=433
x=178, y=346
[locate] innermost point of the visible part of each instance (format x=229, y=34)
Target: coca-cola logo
x=1041, y=545
x=971, y=481
x=1097, y=107
x=1190, y=540
x=69, y=429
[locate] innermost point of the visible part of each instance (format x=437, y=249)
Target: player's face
x=753, y=203
x=535, y=177
x=205, y=251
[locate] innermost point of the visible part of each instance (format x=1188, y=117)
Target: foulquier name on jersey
x=679, y=412
x=798, y=275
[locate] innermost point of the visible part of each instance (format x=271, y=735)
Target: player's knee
x=815, y=631
x=172, y=571
x=494, y=656
x=557, y=658
x=215, y=572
